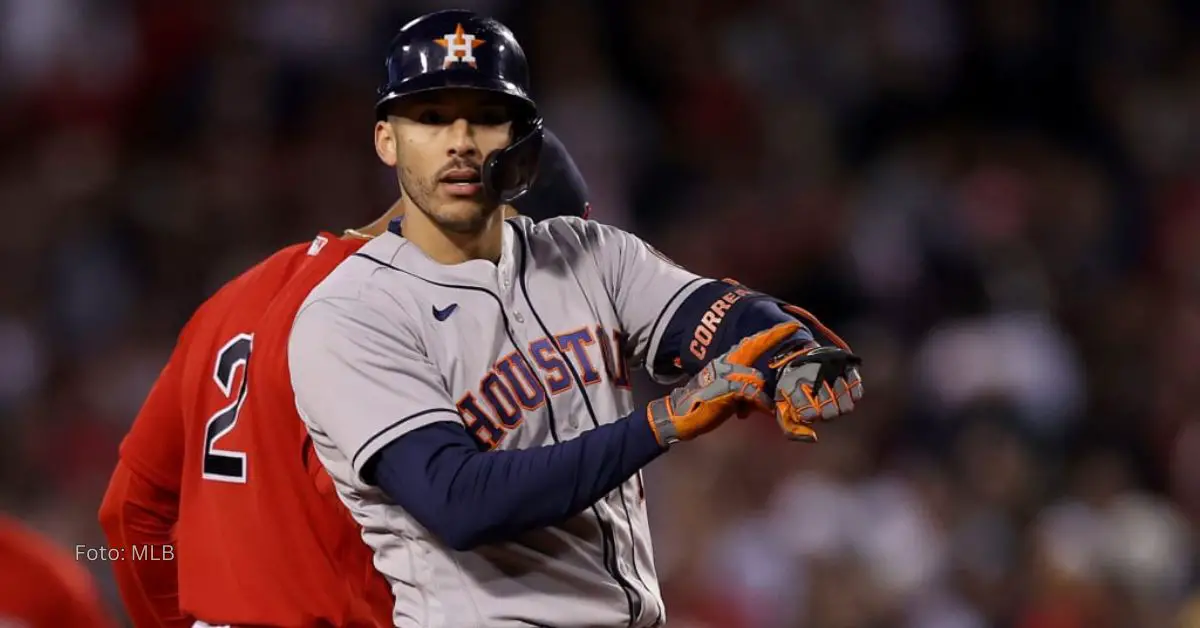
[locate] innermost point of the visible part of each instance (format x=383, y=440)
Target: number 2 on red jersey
x=218, y=464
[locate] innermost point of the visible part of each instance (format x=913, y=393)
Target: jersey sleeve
x=646, y=289
x=361, y=378
x=154, y=445
x=137, y=513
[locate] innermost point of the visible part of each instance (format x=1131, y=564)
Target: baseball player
x=466, y=378
x=218, y=462
x=42, y=586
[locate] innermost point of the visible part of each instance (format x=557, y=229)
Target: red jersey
x=42, y=586
x=261, y=536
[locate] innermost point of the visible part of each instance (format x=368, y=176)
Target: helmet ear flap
x=509, y=172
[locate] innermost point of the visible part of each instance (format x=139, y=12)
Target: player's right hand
x=814, y=382
x=726, y=386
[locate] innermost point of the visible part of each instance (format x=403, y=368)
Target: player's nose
x=462, y=139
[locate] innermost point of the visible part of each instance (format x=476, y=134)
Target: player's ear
x=385, y=142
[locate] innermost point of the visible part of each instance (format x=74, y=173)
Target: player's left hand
x=814, y=382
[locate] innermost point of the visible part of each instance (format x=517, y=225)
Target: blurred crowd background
x=996, y=202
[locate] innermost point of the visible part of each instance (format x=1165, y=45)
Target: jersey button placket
x=510, y=295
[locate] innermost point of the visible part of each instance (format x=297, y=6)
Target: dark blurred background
x=996, y=202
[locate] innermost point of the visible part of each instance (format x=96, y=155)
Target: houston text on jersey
x=509, y=389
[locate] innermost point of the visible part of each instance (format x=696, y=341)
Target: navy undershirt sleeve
x=748, y=316
x=467, y=497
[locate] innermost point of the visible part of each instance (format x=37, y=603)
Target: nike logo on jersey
x=518, y=382
x=445, y=312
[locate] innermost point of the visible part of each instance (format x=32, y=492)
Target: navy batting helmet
x=459, y=49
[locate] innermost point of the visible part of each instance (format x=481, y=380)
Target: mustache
x=460, y=164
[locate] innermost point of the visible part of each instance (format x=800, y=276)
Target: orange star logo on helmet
x=459, y=47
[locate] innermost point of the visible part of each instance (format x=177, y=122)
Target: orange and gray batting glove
x=728, y=385
x=814, y=382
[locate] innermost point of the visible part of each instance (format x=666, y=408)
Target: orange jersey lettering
x=706, y=331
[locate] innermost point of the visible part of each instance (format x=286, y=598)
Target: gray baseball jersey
x=529, y=351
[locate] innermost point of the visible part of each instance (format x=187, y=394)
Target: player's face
x=440, y=142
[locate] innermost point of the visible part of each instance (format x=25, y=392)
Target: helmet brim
x=454, y=79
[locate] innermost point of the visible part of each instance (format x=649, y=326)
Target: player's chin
x=462, y=213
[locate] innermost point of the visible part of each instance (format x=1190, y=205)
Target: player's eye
x=432, y=117
x=493, y=116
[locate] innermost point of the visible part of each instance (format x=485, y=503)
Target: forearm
x=137, y=513
x=712, y=320
x=469, y=497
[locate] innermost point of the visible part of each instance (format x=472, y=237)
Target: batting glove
x=728, y=385
x=814, y=382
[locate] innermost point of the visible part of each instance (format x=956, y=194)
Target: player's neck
x=446, y=247
x=381, y=224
